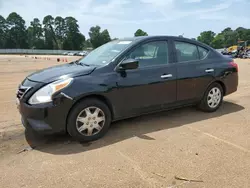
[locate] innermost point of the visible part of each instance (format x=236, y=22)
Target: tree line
x=50, y=33
x=226, y=38
x=63, y=33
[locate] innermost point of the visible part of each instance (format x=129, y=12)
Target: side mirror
x=128, y=64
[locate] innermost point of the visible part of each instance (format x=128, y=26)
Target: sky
x=123, y=17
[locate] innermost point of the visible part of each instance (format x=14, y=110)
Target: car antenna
x=181, y=35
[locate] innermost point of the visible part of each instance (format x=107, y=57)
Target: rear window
x=186, y=51
x=202, y=52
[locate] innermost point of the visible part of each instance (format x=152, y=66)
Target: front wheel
x=89, y=120
x=212, y=99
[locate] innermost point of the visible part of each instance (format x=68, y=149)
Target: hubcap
x=90, y=121
x=214, y=97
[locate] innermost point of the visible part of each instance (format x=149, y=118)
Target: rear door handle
x=209, y=70
x=166, y=76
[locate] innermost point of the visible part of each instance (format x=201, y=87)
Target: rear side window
x=202, y=52
x=186, y=51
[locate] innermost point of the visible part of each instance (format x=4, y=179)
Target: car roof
x=142, y=38
x=151, y=37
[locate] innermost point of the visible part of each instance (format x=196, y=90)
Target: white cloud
x=158, y=3
x=220, y=17
x=193, y=1
x=113, y=7
x=119, y=12
x=111, y=12
x=173, y=13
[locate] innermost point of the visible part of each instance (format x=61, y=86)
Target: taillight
x=234, y=65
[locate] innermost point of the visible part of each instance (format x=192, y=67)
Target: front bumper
x=46, y=118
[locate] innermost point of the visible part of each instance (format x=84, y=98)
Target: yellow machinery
x=232, y=48
x=240, y=43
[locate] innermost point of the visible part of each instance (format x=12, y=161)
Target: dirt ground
x=148, y=151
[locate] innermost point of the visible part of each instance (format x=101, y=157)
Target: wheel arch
x=222, y=85
x=99, y=97
x=219, y=82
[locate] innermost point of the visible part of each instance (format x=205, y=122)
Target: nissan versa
x=122, y=79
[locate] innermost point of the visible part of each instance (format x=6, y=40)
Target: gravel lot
x=148, y=151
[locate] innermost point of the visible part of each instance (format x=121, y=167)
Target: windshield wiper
x=85, y=64
x=77, y=62
x=80, y=63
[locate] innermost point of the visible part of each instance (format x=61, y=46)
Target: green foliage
x=140, y=32
x=52, y=33
x=49, y=33
x=35, y=35
x=206, y=37
x=3, y=30
x=87, y=44
x=16, y=33
x=98, y=38
x=73, y=38
x=60, y=31
x=64, y=33
x=226, y=38
x=218, y=41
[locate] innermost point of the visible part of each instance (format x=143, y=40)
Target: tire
x=82, y=119
x=207, y=106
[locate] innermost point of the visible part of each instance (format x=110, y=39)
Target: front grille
x=22, y=91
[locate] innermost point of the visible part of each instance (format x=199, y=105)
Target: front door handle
x=209, y=70
x=166, y=76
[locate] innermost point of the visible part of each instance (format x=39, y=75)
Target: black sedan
x=122, y=79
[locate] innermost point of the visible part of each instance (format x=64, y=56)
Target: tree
x=240, y=33
x=105, y=36
x=206, y=37
x=140, y=32
x=64, y=33
x=98, y=38
x=218, y=41
x=60, y=30
x=74, y=39
x=230, y=37
x=87, y=44
x=16, y=34
x=50, y=38
x=35, y=34
x=3, y=29
x=243, y=34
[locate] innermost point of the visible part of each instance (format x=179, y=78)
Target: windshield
x=105, y=53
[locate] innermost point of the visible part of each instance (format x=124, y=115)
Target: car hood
x=56, y=72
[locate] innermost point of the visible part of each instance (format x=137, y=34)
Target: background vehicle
x=66, y=53
x=72, y=53
x=122, y=79
x=83, y=53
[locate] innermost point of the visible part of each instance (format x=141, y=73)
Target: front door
x=152, y=85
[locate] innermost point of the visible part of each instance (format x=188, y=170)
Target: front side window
x=150, y=54
x=186, y=52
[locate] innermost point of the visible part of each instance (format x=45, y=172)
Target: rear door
x=194, y=70
x=152, y=85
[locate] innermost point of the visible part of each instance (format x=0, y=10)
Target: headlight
x=44, y=94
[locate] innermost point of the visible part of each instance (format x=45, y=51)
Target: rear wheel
x=212, y=99
x=89, y=120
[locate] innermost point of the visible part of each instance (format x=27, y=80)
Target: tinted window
x=151, y=53
x=202, y=52
x=186, y=51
